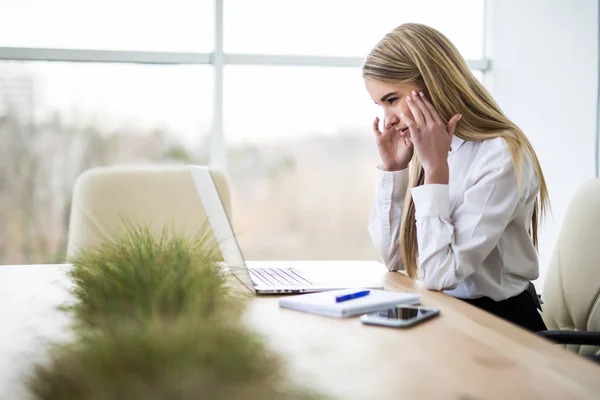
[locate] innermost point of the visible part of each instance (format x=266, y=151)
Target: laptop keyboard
x=277, y=277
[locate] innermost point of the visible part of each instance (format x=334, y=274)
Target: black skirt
x=520, y=309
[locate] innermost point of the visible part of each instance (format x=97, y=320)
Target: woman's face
x=392, y=98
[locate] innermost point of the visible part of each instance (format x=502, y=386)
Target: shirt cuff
x=431, y=201
x=392, y=184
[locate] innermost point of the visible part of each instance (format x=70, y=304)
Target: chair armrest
x=572, y=337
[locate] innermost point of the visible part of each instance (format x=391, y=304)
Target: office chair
x=157, y=195
x=571, y=293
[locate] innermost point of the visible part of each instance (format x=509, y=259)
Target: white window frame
x=218, y=59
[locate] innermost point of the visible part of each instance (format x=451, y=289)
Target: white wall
x=545, y=77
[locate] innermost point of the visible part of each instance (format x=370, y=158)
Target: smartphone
x=400, y=316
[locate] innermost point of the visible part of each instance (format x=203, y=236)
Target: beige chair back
x=571, y=292
x=158, y=196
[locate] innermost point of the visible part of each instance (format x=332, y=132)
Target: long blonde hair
x=420, y=55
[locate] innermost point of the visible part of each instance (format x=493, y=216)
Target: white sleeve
x=385, y=218
x=451, y=247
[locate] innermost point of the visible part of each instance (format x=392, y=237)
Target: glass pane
x=302, y=161
x=176, y=25
x=344, y=28
x=58, y=119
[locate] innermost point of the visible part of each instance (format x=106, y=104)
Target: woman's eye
x=392, y=100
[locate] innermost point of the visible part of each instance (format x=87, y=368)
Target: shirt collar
x=456, y=143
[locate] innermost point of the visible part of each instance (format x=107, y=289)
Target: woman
x=465, y=220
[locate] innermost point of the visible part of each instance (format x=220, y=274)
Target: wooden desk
x=463, y=354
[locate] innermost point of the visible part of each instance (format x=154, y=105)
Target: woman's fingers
x=376, y=130
x=452, y=124
x=416, y=111
x=432, y=111
x=412, y=126
x=418, y=100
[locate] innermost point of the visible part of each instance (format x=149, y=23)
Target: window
x=176, y=25
x=300, y=150
x=344, y=28
x=57, y=119
x=301, y=157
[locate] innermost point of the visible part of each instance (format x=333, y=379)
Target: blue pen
x=350, y=296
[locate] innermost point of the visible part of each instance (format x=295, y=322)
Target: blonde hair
x=420, y=55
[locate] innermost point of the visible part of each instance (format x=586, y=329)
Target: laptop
x=260, y=279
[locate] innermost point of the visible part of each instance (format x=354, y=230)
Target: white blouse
x=472, y=234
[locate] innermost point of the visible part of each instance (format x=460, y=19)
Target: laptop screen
x=220, y=224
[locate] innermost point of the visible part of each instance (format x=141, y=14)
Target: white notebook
x=324, y=302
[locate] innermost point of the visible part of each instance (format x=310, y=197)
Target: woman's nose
x=390, y=121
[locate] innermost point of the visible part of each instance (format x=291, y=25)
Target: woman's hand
x=395, y=147
x=431, y=137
